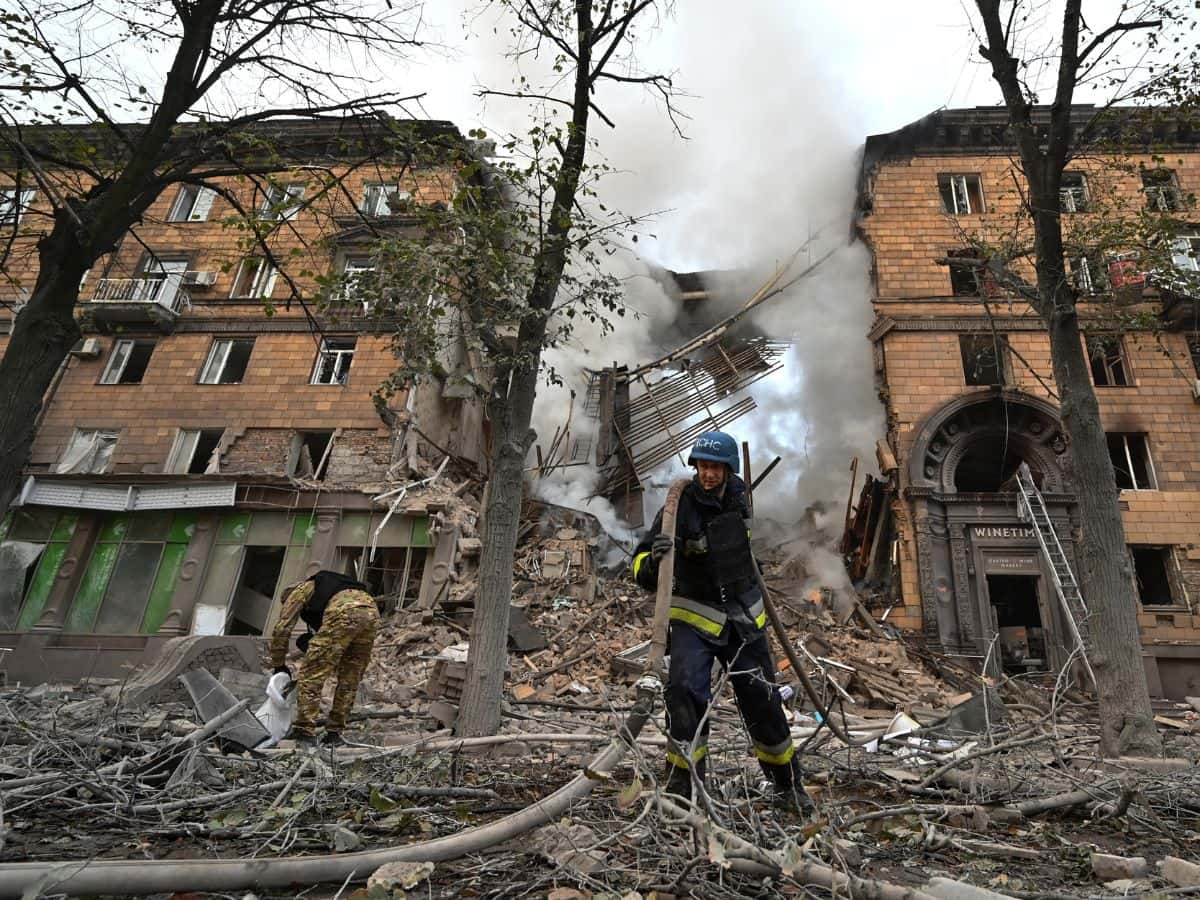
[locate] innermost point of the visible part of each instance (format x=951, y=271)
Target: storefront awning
x=115, y=498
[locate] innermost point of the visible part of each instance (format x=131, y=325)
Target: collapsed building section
x=964, y=372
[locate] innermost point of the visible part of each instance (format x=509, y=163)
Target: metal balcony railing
x=162, y=291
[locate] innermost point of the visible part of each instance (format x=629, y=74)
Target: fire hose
x=126, y=877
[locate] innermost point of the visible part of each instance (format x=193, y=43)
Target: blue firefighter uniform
x=717, y=613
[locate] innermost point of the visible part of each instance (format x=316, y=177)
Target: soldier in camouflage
x=341, y=646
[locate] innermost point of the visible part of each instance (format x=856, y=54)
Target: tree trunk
x=1106, y=581
x=43, y=333
x=479, y=713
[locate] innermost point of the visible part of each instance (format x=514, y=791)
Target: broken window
x=255, y=594
x=192, y=204
x=282, y=202
x=18, y=562
x=30, y=558
x=1107, y=356
x=128, y=362
x=13, y=204
x=194, y=452
x=1151, y=569
x=962, y=195
x=983, y=358
x=333, y=361
x=161, y=282
x=1088, y=274
x=89, y=451
x=1073, y=193
x=227, y=361
x=255, y=278
x=394, y=575
x=310, y=454
x=964, y=281
x=1185, y=252
x=1131, y=462
x=384, y=199
x=1161, y=190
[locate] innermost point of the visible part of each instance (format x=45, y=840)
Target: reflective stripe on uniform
x=758, y=611
x=706, y=618
x=777, y=755
x=680, y=761
x=638, y=561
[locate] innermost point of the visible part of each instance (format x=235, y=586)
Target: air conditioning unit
x=88, y=348
x=1196, y=390
x=197, y=278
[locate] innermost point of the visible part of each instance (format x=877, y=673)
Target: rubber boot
x=679, y=781
x=789, y=793
x=333, y=739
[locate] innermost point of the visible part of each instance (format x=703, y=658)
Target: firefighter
x=342, y=619
x=717, y=613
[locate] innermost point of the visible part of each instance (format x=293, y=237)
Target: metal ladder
x=1032, y=509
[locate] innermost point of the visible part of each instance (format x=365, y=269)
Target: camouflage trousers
x=342, y=647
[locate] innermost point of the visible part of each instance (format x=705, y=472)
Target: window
x=962, y=195
x=89, y=451
x=194, y=452
x=1088, y=274
x=963, y=280
x=1161, y=190
x=1194, y=349
x=1151, y=569
x=1185, y=252
x=227, y=361
x=983, y=358
x=333, y=361
x=128, y=362
x=192, y=204
x=1107, y=357
x=31, y=553
x=384, y=199
x=1073, y=194
x=282, y=201
x=310, y=454
x=1131, y=462
x=13, y=204
x=255, y=278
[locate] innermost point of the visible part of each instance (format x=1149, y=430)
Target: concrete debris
x=404, y=875
x=1180, y=872
x=1112, y=868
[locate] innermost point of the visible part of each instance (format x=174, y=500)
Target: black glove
x=660, y=546
x=302, y=641
x=284, y=669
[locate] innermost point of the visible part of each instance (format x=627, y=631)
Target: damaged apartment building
x=212, y=439
x=964, y=372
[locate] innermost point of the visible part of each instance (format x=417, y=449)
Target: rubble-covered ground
x=1009, y=796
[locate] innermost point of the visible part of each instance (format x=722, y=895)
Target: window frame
x=213, y=353
x=1189, y=242
x=128, y=344
x=341, y=353
x=1077, y=198
x=176, y=455
x=265, y=272
x=1122, y=357
x=191, y=197
x=1089, y=274
x=380, y=206
x=111, y=435
x=1168, y=557
x=14, y=203
x=1157, y=194
x=999, y=344
x=956, y=183
x=1151, y=473
x=281, y=202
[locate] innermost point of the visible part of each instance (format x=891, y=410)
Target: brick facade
x=920, y=369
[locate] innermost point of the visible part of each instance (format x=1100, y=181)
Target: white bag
x=277, y=712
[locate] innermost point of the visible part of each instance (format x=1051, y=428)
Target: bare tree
x=99, y=63
x=1044, y=150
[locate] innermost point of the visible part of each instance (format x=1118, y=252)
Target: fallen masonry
x=953, y=787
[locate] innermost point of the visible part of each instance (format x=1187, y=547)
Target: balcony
x=151, y=300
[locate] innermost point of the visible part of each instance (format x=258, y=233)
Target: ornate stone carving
x=967, y=633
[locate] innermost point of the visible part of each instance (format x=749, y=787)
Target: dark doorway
x=987, y=466
x=1019, y=620
x=256, y=590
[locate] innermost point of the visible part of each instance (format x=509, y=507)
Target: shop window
x=1073, y=193
x=333, y=361
x=193, y=452
x=1131, y=461
x=227, y=361
x=962, y=195
x=1161, y=190
x=1151, y=568
x=256, y=590
x=131, y=576
x=128, y=362
x=30, y=555
x=394, y=575
x=192, y=204
x=983, y=359
x=1106, y=354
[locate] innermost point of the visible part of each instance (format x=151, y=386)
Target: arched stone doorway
x=981, y=574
